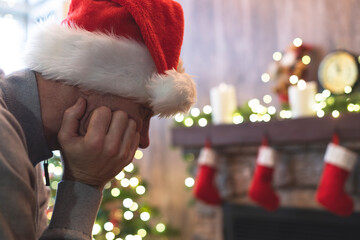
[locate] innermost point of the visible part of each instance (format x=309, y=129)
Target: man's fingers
x=98, y=127
x=113, y=139
x=71, y=118
x=128, y=140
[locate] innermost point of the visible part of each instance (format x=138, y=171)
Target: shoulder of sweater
x=10, y=128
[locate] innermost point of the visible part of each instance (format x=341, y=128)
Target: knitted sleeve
x=17, y=182
x=75, y=211
x=76, y=203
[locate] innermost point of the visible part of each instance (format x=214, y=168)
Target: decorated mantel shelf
x=279, y=132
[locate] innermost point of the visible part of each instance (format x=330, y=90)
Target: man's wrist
x=99, y=187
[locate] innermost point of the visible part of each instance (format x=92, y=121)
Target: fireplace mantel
x=278, y=132
x=296, y=175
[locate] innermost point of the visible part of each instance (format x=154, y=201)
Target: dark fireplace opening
x=254, y=223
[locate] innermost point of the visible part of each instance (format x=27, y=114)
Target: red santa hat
x=129, y=48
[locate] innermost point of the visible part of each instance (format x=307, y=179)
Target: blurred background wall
x=232, y=41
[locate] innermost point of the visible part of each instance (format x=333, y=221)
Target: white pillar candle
x=223, y=103
x=302, y=99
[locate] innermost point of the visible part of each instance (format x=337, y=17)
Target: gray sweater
x=23, y=196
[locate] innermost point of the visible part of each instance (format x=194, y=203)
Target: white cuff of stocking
x=340, y=157
x=207, y=157
x=266, y=156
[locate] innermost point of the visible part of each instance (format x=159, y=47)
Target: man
x=92, y=86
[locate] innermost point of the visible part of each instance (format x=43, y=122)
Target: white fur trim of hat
x=109, y=64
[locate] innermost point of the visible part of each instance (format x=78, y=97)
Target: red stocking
x=339, y=162
x=205, y=188
x=261, y=190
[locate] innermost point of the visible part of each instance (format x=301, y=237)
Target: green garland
x=256, y=111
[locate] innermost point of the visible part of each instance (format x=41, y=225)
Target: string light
x=125, y=182
x=293, y=79
x=253, y=118
x=107, y=185
x=120, y=176
x=134, y=181
x=253, y=103
x=271, y=110
x=265, y=77
x=54, y=185
x=115, y=192
x=129, y=168
x=140, y=190
x=288, y=114
x=356, y=108
x=297, y=42
x=145, y=216
x=301, y=84
x=58, y=171
x=128, y=202
x=330, y=100
x=134, y=207
x=160, y=227
x=347, y=89
x=195, y=112
x=306, y=59
x=96, y=229
x=267, y=99
x=260, y=109
x=142, y=232
x=320, y=113
x=207, y=109
x=322, y=105
x=189, y=182
x=108, y=226
x=179, y=117
x=202, y=122
x=138, y=154
x=128, y=215
x=335, y=114
x=237, y=118
x=110, y=236
x=326, y=93
x=189, y=122
x=116, y=230
x=51, y=167
x=129, y=237
x=285, y=114
x=277, y=56
x=266, y=118
x=351, y=107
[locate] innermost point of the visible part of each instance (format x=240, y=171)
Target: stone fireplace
x=297, y=174
x=301, y=145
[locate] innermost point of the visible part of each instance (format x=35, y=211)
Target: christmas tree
x=124, y=214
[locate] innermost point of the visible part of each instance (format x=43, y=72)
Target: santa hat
x=128, y=48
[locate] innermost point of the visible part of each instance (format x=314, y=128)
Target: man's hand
x=107, y=147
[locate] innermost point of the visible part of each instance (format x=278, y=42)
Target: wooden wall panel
x=233, y=41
